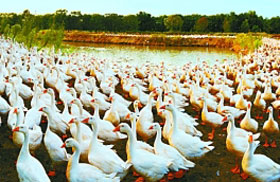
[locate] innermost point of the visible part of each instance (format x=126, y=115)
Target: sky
x=265, y=8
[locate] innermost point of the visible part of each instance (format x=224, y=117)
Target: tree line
x=144, y=22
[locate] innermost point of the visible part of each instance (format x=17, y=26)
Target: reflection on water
x=140, y=54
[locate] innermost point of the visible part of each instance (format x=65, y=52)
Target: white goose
x=106, y=128
x=146, y=118
x=190, y=147
x=104, y=157
x=228, y=109
x=249, y=123
x=151, y=166
x=237, y=140
x=270, y=128
x=53, y=145
x=211, y=118
x=259, y=166
x=83, y=172
x=169, y=152
x=28, y=167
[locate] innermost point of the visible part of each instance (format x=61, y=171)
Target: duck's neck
x=174, y=125
x=18, y=118
x=205, y=109
x=76, y=156
x=53, y=101
x=270, y=117
x=131, y=143
x=249, y=152
x=248, y=113
x=158, y=138
x=66, y=109
x=79, y=134
x=133, y=127
x=24, y=151
x=96, y=112
x=150, y=99
x=221, y=103
x=94, y=137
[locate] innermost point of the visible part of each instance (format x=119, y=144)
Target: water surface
x=140, y=54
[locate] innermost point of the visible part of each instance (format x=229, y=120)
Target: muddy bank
x=151, y=39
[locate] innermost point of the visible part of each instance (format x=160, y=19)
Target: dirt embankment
x=151, y=39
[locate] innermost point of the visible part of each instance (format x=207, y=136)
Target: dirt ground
x=214, y=167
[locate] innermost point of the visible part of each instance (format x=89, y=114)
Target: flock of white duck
x=219, y=93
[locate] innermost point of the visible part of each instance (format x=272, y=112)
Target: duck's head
x=123, y=127
x=74, y=120
x=70, y=142
x=130, y=116
x=154, y=126
x=228, y=117
x=168, y=107
x=269, y=109
x=44, y=109
x=21, y=128
x=90, y=120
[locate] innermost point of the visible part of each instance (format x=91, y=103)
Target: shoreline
x=151, y=39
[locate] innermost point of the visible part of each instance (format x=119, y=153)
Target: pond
x=140, y=54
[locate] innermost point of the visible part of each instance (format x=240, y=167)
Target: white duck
x=190, y=147
x=83, y=172
x=140, y=144
x=12, y=117
x=169, y=152
x=104, y=157
x=57, y=125
x=106, y=128
x=35, y=134
x=146, y=118
x=151, y=166
x=237, y=141
x=259, y=166
x=28, y=167
x=249, y=123
x=53, y=145
x=270, y=128
x=241, y=103
x=228, y=109
x=260, y=103
x=211, y=118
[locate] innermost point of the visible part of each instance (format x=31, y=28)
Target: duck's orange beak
x=127, y=116
x=163, y=107
x=225, y=119
x=85, y=120
x=71, y=121
x=45, y=91
x=140, y=105
x=16, y=129
x=251, y=138
x=151, y=127
x=63, y=145
x=41, y=109
x=118, y=128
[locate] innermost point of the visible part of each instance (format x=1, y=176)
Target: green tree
x=130, y=23
x=173, y=23
x=245, y=26
x=15, y=30
x=201, y=24
x=226, y=25
x=146, y=21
